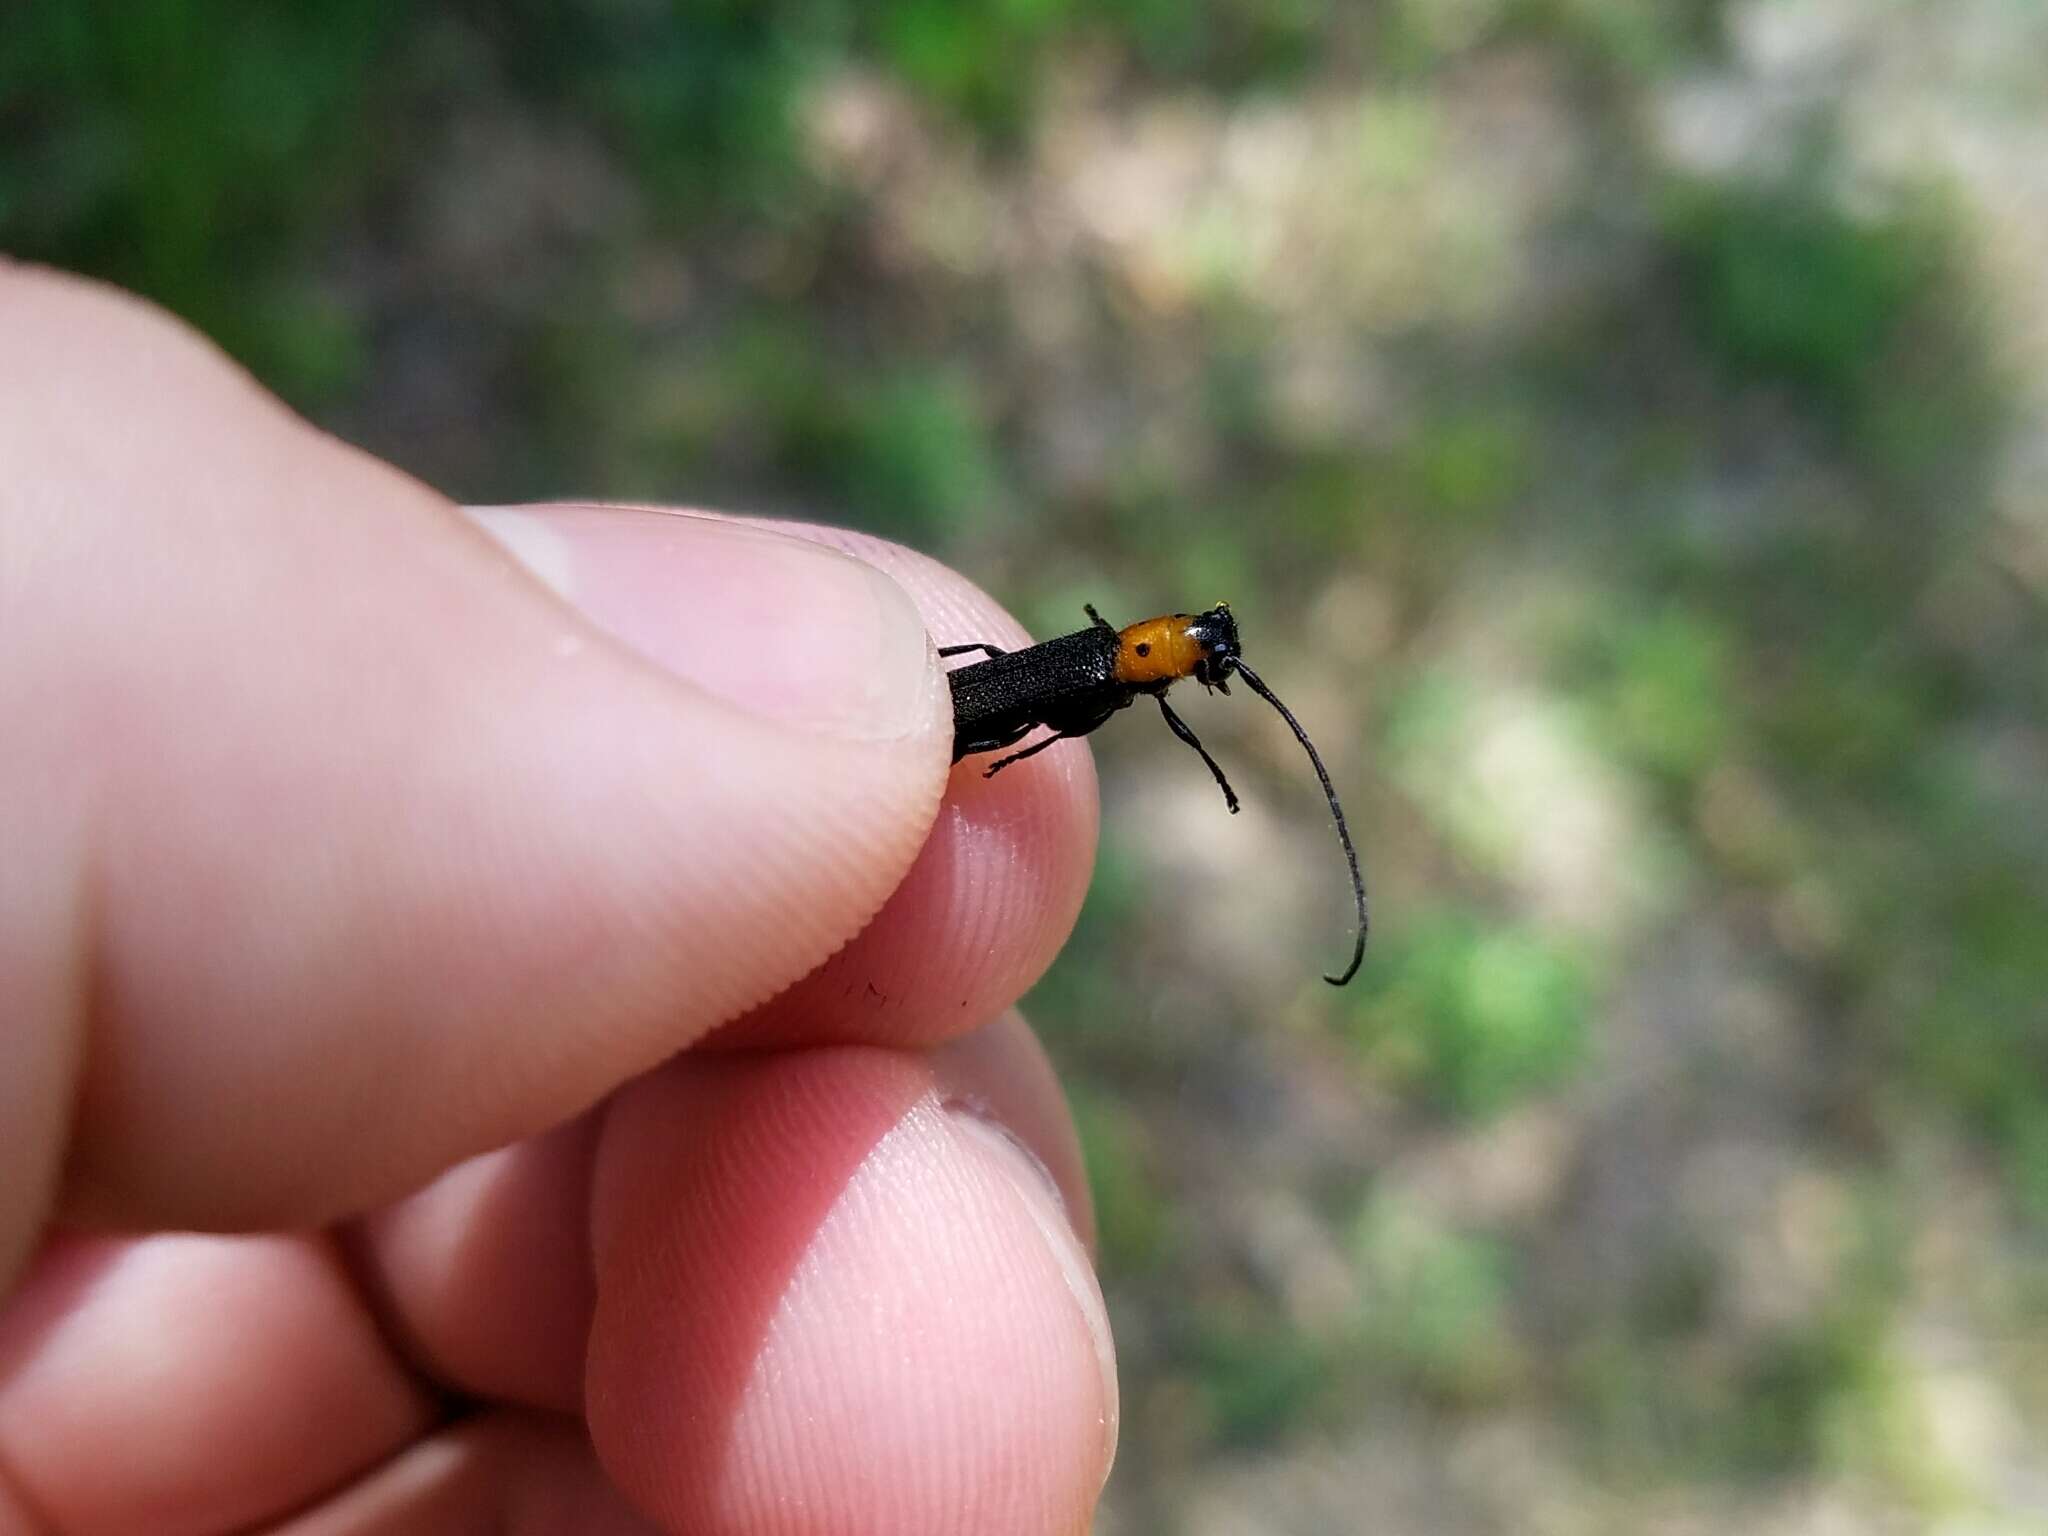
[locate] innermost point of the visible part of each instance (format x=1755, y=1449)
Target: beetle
x=1072, y=684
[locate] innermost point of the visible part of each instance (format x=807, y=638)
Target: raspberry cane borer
x=1073, y=683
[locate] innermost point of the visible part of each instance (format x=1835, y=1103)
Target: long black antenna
x=1336, y=811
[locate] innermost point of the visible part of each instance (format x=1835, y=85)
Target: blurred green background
x=1619, y=426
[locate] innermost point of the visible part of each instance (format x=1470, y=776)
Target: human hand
x=336, y=851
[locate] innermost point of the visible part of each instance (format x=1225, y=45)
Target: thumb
x=344, y=847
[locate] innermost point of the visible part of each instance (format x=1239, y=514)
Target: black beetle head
x=1215, y=631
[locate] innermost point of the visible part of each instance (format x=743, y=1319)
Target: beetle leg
x=1180, y=729
x=1033, y=750
x=1065, y=726
x=1095, y=618
x=994, y=742
x=962, y=650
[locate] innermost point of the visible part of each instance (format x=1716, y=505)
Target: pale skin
x=349, y=837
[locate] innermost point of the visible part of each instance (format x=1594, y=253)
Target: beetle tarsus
x=1181, y=729
x=1033, y=750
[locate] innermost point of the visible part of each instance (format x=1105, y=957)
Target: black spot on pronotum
x=1144, y=649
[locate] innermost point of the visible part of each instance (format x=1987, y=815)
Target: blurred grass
x=1626, y=523
x=149, y=148
x=1473, y=1015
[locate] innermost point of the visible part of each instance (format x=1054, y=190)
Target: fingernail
x=1048, y=1208
x=778, y=626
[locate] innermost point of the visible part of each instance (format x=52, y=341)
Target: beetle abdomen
x=996, y=701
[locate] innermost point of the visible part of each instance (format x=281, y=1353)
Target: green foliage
x=1428, y=731
x=1478, y=1015
x=1848, y=723
x=1319, y=502
x=1792, y=1402
x=189, y=154
x=1816, y=1394
x=1131, y=1213
x=902, y=446
x=1229, y=45
x=1803, y=1387
x=908, y=451
x=1435, y=1302
x=1257, y=1381
x=697, y=100
x=702, y=96
x=1470, y=465
x=1089, y=1007
x=1657, y=686
x=1630, y=39
x=1784, y=286
x=979, y=61
x=1980, y=1041
x=1628, y=1405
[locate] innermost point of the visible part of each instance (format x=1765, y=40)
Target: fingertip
x=995, y=889
x=851, y=1309
x=1002, y=1073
